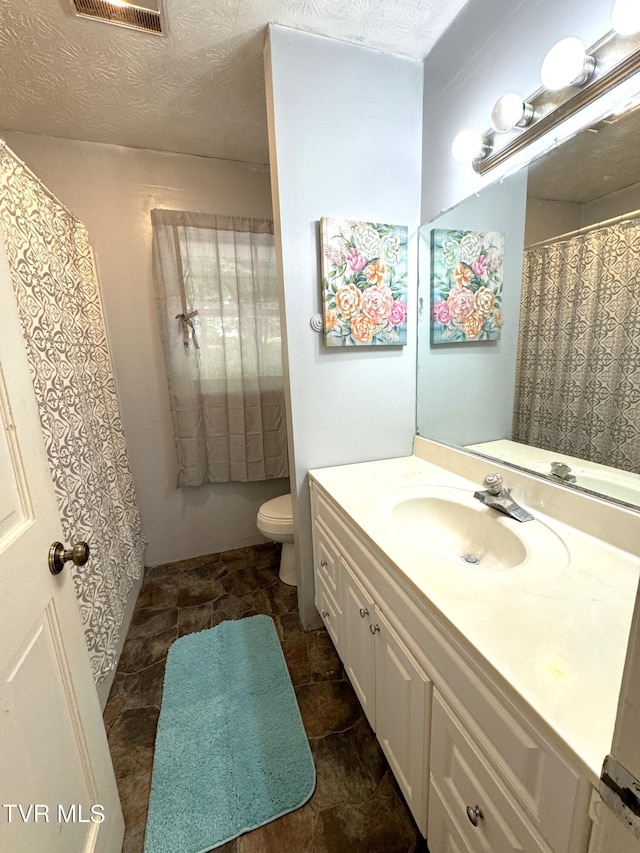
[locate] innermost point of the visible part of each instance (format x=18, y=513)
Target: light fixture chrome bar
x=549, y=113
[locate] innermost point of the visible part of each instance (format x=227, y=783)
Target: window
x=216, y=288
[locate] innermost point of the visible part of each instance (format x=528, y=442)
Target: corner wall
x=345, y=126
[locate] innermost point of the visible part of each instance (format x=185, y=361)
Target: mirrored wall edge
x=496, y=460
x=572, y=487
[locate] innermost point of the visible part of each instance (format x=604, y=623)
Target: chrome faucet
x=561, y=471
x=497, y=497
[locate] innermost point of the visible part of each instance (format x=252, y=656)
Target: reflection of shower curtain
x=578, y=370
x=54, y=280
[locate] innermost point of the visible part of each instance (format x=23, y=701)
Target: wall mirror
x=562, y=385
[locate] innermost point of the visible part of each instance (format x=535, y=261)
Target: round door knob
x=325, y=614
x=474, y=814
x=364, y=612
x=58, y=556
x=374, y=628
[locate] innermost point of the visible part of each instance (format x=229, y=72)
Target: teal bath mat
x=231, y=751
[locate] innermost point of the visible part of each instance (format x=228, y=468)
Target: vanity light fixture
x=509, y=112
x=625, y=17
x=567, y=64
x=469, y=145
x=573, y=78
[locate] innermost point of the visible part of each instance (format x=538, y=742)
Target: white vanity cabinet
x=392, y=687
x=478, y=773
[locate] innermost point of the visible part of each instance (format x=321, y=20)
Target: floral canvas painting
x=364, y=283
x=466, y=285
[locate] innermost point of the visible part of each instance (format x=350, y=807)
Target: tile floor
x=356, y=806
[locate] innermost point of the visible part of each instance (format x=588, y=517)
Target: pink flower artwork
x=364, y=283
x=466, y=285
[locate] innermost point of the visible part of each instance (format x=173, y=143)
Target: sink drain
x=471, y=558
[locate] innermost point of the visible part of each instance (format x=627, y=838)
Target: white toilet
x=275, y=522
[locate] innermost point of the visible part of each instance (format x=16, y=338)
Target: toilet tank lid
x=277, y=508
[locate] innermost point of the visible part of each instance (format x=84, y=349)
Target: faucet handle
x=560, y=468
x=493, y=483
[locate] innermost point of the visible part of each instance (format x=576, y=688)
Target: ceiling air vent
x=145, y=15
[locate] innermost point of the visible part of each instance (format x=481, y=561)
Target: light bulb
x=566, y=64
x=510, y=111
x=625, y=17
x=468, y=145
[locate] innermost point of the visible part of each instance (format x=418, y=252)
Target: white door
x=57, y=788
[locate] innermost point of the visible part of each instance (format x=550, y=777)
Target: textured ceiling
x=200, y=89
x=609, y=158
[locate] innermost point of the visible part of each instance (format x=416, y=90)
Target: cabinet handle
x=364, y=612
x=374, y=628
x=323, y=564
x=325, y=614
x=475, y=815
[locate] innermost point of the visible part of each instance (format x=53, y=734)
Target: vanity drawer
x=470, y=808
x=326, y=559
x=331, y=613
x=550, y=791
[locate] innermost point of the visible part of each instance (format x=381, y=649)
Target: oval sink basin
x=454, y=526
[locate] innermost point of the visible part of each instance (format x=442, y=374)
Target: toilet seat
x=275, y=521
x=276, y=516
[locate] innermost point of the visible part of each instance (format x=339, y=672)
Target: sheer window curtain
x=578, y=365
x=216, y=289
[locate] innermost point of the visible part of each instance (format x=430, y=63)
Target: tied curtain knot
x=187, y=323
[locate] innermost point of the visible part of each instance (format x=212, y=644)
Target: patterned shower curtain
x=56, y=290
x=578, y=368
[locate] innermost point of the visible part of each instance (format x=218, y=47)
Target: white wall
x=112, y=190
x=547, y=219
x=345, y=138
x=614, y=204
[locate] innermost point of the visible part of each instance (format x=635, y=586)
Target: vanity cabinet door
x=467, y=801
x=328, y=598
x=403, y=716
x=357, y=648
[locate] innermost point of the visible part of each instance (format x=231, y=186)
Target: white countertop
x=558, y=637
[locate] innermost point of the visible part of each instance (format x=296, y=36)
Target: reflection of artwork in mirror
x=466, y=285
x=364, y=283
